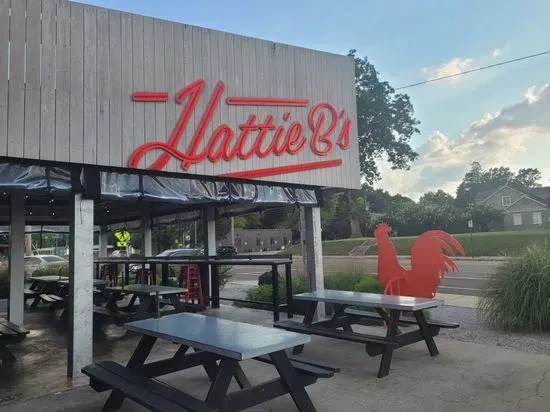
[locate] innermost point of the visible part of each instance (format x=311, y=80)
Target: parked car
x=35, y=262
x=226, y=251
x=173, y=253
x=180, y=252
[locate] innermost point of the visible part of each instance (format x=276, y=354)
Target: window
x=517, y=219
x=506, y=201
x=537, y=218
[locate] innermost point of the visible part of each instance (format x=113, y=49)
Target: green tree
x=528, y=177
x=440, y=198
x=385, y=121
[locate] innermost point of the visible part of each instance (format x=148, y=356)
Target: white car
x=35, y=262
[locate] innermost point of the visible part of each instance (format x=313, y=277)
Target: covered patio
x=86, y=199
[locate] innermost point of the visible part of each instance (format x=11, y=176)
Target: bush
x=4, y=284
x=339, y=281
x=518, y=293
x=53, y=270
x=369, y=284
x=344, y=281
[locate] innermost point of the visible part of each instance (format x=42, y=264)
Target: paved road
x=469, y=279
x=468, y=269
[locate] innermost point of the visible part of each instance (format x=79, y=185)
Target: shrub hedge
x=518, y=294
x=339, y=281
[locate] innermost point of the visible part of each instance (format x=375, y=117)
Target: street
x=466, y=269
x=469, y=279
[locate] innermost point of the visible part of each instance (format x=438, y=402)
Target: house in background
x=523, y=209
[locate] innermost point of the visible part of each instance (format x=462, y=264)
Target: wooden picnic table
x=219, y=345
x=41, y=285
x=148, y=303
x=10, y=334
x=388, y=310
x=56, y=294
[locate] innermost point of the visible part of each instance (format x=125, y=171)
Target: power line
x=475, y=70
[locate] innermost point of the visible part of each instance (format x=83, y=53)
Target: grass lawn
x=483, y=244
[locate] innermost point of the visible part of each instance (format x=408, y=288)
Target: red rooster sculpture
x=428, y=263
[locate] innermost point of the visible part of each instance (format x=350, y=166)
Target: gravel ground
x=473, y=330
x=471, y=327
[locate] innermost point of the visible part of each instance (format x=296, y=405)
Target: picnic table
x=41, y=285
x=10, y=334
x=388, y=310
x=148, y=303
x=272, y=262
x=218, y=345
x=58, y=300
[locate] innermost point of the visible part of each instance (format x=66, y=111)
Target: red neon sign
x=267, y=137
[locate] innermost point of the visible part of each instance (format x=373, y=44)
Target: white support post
x=103, y=235
x=17, y=254
x=209, y=228
x=314, y=254
x=146, y=233
x=80, y=348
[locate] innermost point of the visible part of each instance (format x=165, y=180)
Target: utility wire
x=474, y=70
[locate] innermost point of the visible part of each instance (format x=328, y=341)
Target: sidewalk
x=458, y=300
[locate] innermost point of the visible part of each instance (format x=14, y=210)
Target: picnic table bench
x=10, y=334
x=388, y=311
x=218, y=345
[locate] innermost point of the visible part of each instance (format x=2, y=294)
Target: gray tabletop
x=236, y=340
x=147, y=290
x=97, y=282
x=372, y=300
x=48, y=279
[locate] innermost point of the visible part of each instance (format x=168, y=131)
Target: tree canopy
x=385, y=121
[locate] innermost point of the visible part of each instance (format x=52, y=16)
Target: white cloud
x=516, y=136
x=455, y=66
x=459, y=65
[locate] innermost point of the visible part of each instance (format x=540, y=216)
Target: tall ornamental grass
x=518, y=293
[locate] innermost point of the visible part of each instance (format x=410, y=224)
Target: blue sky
x=410, y=42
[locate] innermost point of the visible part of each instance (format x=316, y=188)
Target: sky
x=499, y=117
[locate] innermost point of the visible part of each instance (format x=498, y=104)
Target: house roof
x=540, y=194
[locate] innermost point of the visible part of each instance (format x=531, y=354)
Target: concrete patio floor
x=464, y=377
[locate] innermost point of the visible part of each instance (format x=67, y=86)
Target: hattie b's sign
x=327, y=127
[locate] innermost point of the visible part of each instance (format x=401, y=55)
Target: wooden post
x=16, y=259
x=314, y=254
x=81, y=285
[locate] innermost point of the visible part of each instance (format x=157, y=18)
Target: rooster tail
x=431, y=259
x=446, y=241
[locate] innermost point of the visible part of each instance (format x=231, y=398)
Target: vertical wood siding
x=68, y=71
